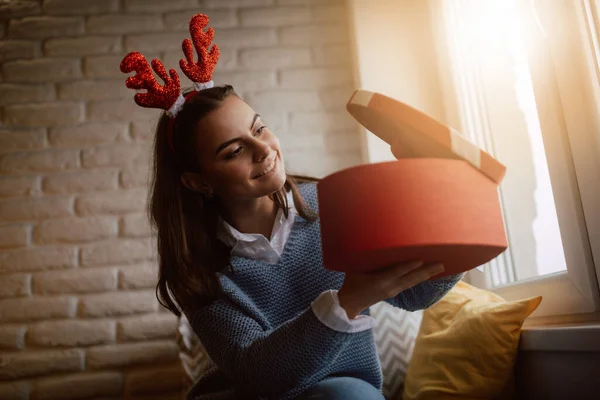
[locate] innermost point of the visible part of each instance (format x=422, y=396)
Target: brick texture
x=35, y=208
x=135, y=225
x=100, y=67
x=79, y=316
x=145, y=327
x=82, y=46
x=16, y=390
x=281, y=100
x=12, y=140
x=15, y=49
x=121, y=355
x=14, y=8
x=81, y=181
x=75, y=281
x=134, y=176
x=79, y=386
x=38, y=258
x=120, y=155
x=318, y=77
x=246, y=37
x=71, y=333
x=47, y=160
x=143, y=130
x=36, y=308
x=76, y=7
x=36, y=363
x=117, y=110
x=120, y=303
x=12, y=236
x=42, y=70
x=220, y=18
x=138, y=276
x=274, y=57
x=45, y=27
x=93, y=90
x=116, y=251
x=319, y=34
x=12, y=337
x=11, y=93
x=151, y=381
x=280, y=16
x=337, y=54
x=15, y=285
x=44, y=114
x=18, y=186
x=111, y=202
x=89, y=134
x=75, y=230
x=124, y=23
x=159, y=5
x=238, y=3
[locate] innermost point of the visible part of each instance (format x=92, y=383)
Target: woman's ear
x=195, y=183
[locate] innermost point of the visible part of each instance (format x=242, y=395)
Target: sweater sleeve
x=425, y=294
x=268, y=362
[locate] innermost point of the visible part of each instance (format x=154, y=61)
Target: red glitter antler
x=201, y=71
x=156, y=96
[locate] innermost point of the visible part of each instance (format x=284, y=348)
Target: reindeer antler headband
x=169, y=97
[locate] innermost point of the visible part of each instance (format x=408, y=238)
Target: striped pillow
x=395, y=335
x=194, y=359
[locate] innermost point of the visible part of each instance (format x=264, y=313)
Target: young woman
x=239, y=249
x=240, y=254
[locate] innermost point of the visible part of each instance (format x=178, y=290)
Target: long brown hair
x=189, y=253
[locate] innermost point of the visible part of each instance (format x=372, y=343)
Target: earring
x=208, y=193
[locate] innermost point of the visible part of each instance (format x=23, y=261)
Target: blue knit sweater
x=263, y=334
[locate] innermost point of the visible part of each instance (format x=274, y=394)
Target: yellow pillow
x=467, y=345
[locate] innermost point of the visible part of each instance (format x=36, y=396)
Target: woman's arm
x=268, y=362
x=425, y=294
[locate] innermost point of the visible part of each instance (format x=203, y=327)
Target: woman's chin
x=279, y=176
x=275, y=183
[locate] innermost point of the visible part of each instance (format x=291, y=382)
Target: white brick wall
x=78, y=314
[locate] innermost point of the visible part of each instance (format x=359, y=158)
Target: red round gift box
x=429, y=209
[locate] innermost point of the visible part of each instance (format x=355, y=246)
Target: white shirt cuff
x=328, y=310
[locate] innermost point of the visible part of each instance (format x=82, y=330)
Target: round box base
x=435, y=210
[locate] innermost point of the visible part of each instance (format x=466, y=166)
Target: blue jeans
x=342, y=388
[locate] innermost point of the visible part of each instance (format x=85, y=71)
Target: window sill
x=580, y=338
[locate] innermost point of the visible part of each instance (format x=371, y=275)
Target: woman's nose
x=261, y=150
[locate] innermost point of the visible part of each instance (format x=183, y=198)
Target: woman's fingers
x=405, y=276
x=417, y=276
x=398, y=270
x=360, y=291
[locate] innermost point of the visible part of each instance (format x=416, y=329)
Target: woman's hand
x=360, y=291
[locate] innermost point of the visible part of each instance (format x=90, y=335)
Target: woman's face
x=240, y=157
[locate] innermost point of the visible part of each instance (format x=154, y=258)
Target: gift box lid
x=412, y=133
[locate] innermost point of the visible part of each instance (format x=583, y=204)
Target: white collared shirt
x=257, y=247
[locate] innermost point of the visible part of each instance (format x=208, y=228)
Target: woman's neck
x=252, y=216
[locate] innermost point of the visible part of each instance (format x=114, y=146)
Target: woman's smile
x=268, y=170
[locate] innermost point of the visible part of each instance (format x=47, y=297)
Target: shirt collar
x=232, y=237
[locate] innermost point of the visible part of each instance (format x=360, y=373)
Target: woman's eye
x=260, y=130
x=235, y=153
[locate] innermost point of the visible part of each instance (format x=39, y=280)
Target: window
x=522, y=80
x=506, y=71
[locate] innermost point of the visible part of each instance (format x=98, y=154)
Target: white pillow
x=395, y=335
